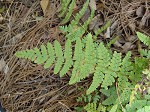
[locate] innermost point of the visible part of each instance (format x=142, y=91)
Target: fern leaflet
x=145, y=39
x=59, y=56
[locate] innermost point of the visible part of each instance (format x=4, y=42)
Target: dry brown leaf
x=44, y=5
x=1, y=18
x=132, y=38
x=2, y=64
x=92, y=4
x=132, y=27
x=17, y=38
x=86, y=15
x=107, y=34
x=145, y=18
x=117, y=44
x=6, y=69
x=140, y=11
x=114, y=26
x=127, y=46
x=96, y=22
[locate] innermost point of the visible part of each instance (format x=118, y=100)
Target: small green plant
x=116, y=75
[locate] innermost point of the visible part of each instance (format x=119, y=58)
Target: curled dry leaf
x=117, y=44
x=145, y=18
x=44, y=5
x=96, y=22
x=132, y=38
x=132, y=27
x=1, y=18
x=140, y=11
x=113, y=27
x=3, y=66
x=127, y=46
x=107, y=34
x=17, y=38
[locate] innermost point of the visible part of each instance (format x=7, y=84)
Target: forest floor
x=27, y=87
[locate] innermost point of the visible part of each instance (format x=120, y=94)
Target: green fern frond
x=92, y=107
x=68, y=58
x=145, y=39
x=100, y=30
x=69, y=13
x=59, y=57
x=89, y=58
x=51, y=55
x=145, y=53
x=80, y=14
x=64, y=7
x=102, y=62
x=74, y=29
x=144, y=109
x=87, y=22
x=78, y=58
x=137, y=105
x=111, y=96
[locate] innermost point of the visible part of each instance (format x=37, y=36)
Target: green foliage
x=64, y=6
x=145, y=39
x=69, y=13
x=144, y=109
x=77, y=17
x=87, y=59
x=92, y=107
x=82, y=56
x=137, y=105
x=100, y=30
x=49, y=55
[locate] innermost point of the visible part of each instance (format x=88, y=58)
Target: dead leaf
x=132, y=27
x=145, y=18
x=92, y=4
x=96, y=22
x=132, y=38
x=117, y=44
x=16, y=38
x=6, y=69
x=113, y=27
x=1, y=18
x=86, y=15
x=127, y=46
x=107, y=34
x=44, y=5
x=140, y=11
x=2, y=64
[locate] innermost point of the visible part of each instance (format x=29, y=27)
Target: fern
x=90, y=58
x=79, y=14
x=68, y=58
x=70, y=10
x=64, y=6
x=137, y=105
x=75, y=29
x=59, y=56
x=51, y=55
x=144, y=109
x=92, y=107
x=145, y=39
x=100, y=30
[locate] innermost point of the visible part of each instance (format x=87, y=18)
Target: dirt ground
x=27, y=87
